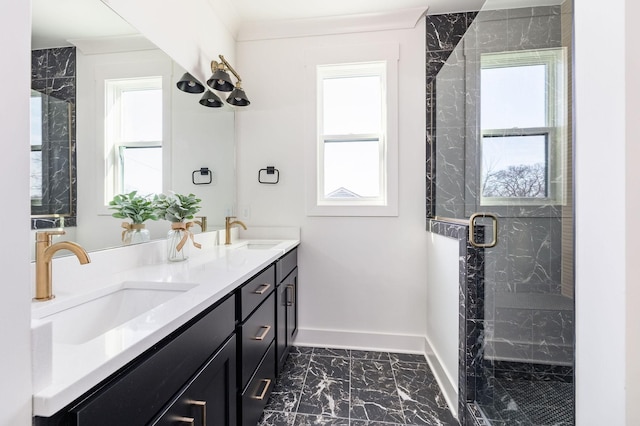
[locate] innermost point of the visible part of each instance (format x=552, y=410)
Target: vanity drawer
x=286, y=264
x=136, y=394
x=257, y=392
x=257, y=334
x=255, y=291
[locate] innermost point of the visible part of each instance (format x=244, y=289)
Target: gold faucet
x=202, y=222
x=44, y=253
x=227, y=228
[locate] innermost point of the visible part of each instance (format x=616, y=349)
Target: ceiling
x=54, y=22
x=264, y=10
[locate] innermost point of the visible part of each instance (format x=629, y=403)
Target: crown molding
x=382, y=21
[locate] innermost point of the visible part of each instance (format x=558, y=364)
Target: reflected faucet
x=202, y=222
x=227, y=228
x=44, y=253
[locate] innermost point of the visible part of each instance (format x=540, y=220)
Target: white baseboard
x=361, y=341
x=448, y=387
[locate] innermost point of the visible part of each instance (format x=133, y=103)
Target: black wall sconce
x=220, y=81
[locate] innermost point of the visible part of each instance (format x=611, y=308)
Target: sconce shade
x=211, y=100
x=220, y=80
x=189, y=84
x=238, y=97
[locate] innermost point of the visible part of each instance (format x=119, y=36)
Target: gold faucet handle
x=47, y=235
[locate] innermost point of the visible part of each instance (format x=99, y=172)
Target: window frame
x=356, y=57
x=104, y=163
x=114, y=88
x=350, y=70
x=555, y=129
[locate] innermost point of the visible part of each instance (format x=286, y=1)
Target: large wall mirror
x=77, y=46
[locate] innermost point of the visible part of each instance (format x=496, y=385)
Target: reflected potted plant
x=178, y=209
x=137, y=209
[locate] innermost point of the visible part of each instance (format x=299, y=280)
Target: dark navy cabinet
x=218, y=369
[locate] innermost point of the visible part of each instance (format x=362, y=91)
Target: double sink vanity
x=133, y=339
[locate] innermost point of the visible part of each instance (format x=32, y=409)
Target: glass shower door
x=503, y=161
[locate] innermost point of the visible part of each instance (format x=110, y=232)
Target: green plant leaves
x=134, y=207
x=176, y=207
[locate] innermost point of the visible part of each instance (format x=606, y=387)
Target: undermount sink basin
x=261, y=246
x=95, y=315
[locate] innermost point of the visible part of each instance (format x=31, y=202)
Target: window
x=523, y=127
x=352, y=158
x=133, y=135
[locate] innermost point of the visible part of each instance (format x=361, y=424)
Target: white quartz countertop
x=71, y=369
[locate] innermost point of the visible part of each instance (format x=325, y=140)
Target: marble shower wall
x=514, y=321
x=528, y=257
x=53, y=73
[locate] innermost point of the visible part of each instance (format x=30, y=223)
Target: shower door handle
x=472, y=230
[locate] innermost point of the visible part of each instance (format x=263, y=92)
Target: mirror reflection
x=129, y=127
x=50, y=156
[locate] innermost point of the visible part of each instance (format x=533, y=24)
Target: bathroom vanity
x=213, y=360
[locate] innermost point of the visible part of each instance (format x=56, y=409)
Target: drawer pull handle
x=203, y=407
x=264, y=333
x=262, y=288
x=290, y=299
x=189, y=420
x=267, y=383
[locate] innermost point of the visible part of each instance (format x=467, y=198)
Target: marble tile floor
x=340, y=387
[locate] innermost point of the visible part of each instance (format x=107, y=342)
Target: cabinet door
x=210, y=397
x=291, y=284
x=281, y=324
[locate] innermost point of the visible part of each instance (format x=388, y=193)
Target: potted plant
x=137, y=209
x=178, y=209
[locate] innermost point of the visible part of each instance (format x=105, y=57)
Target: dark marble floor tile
x=420, y=394
x=326, y=388
x=372, y=423
x=377, y=405
x=301, y=350
x=332, y=352
x=407, y=357
x=306, y=420
x=367, y=374
x=378, y=356
x=332, y=367
x=288, y=388
x=273, y=418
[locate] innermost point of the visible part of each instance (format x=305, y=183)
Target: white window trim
x=376, y=52
x=556, y=130
x=113, y=92
x=124, y=71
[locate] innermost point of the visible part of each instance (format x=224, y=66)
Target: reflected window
x=134, y=136
x=36, y=148
x=523, y=127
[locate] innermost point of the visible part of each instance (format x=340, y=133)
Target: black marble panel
x=53, y=73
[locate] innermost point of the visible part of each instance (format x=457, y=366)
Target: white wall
x=362, y=280
x=189, y=31
x=632, y=194
x=15, y=368
x=607, y=134
x=443, y=302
